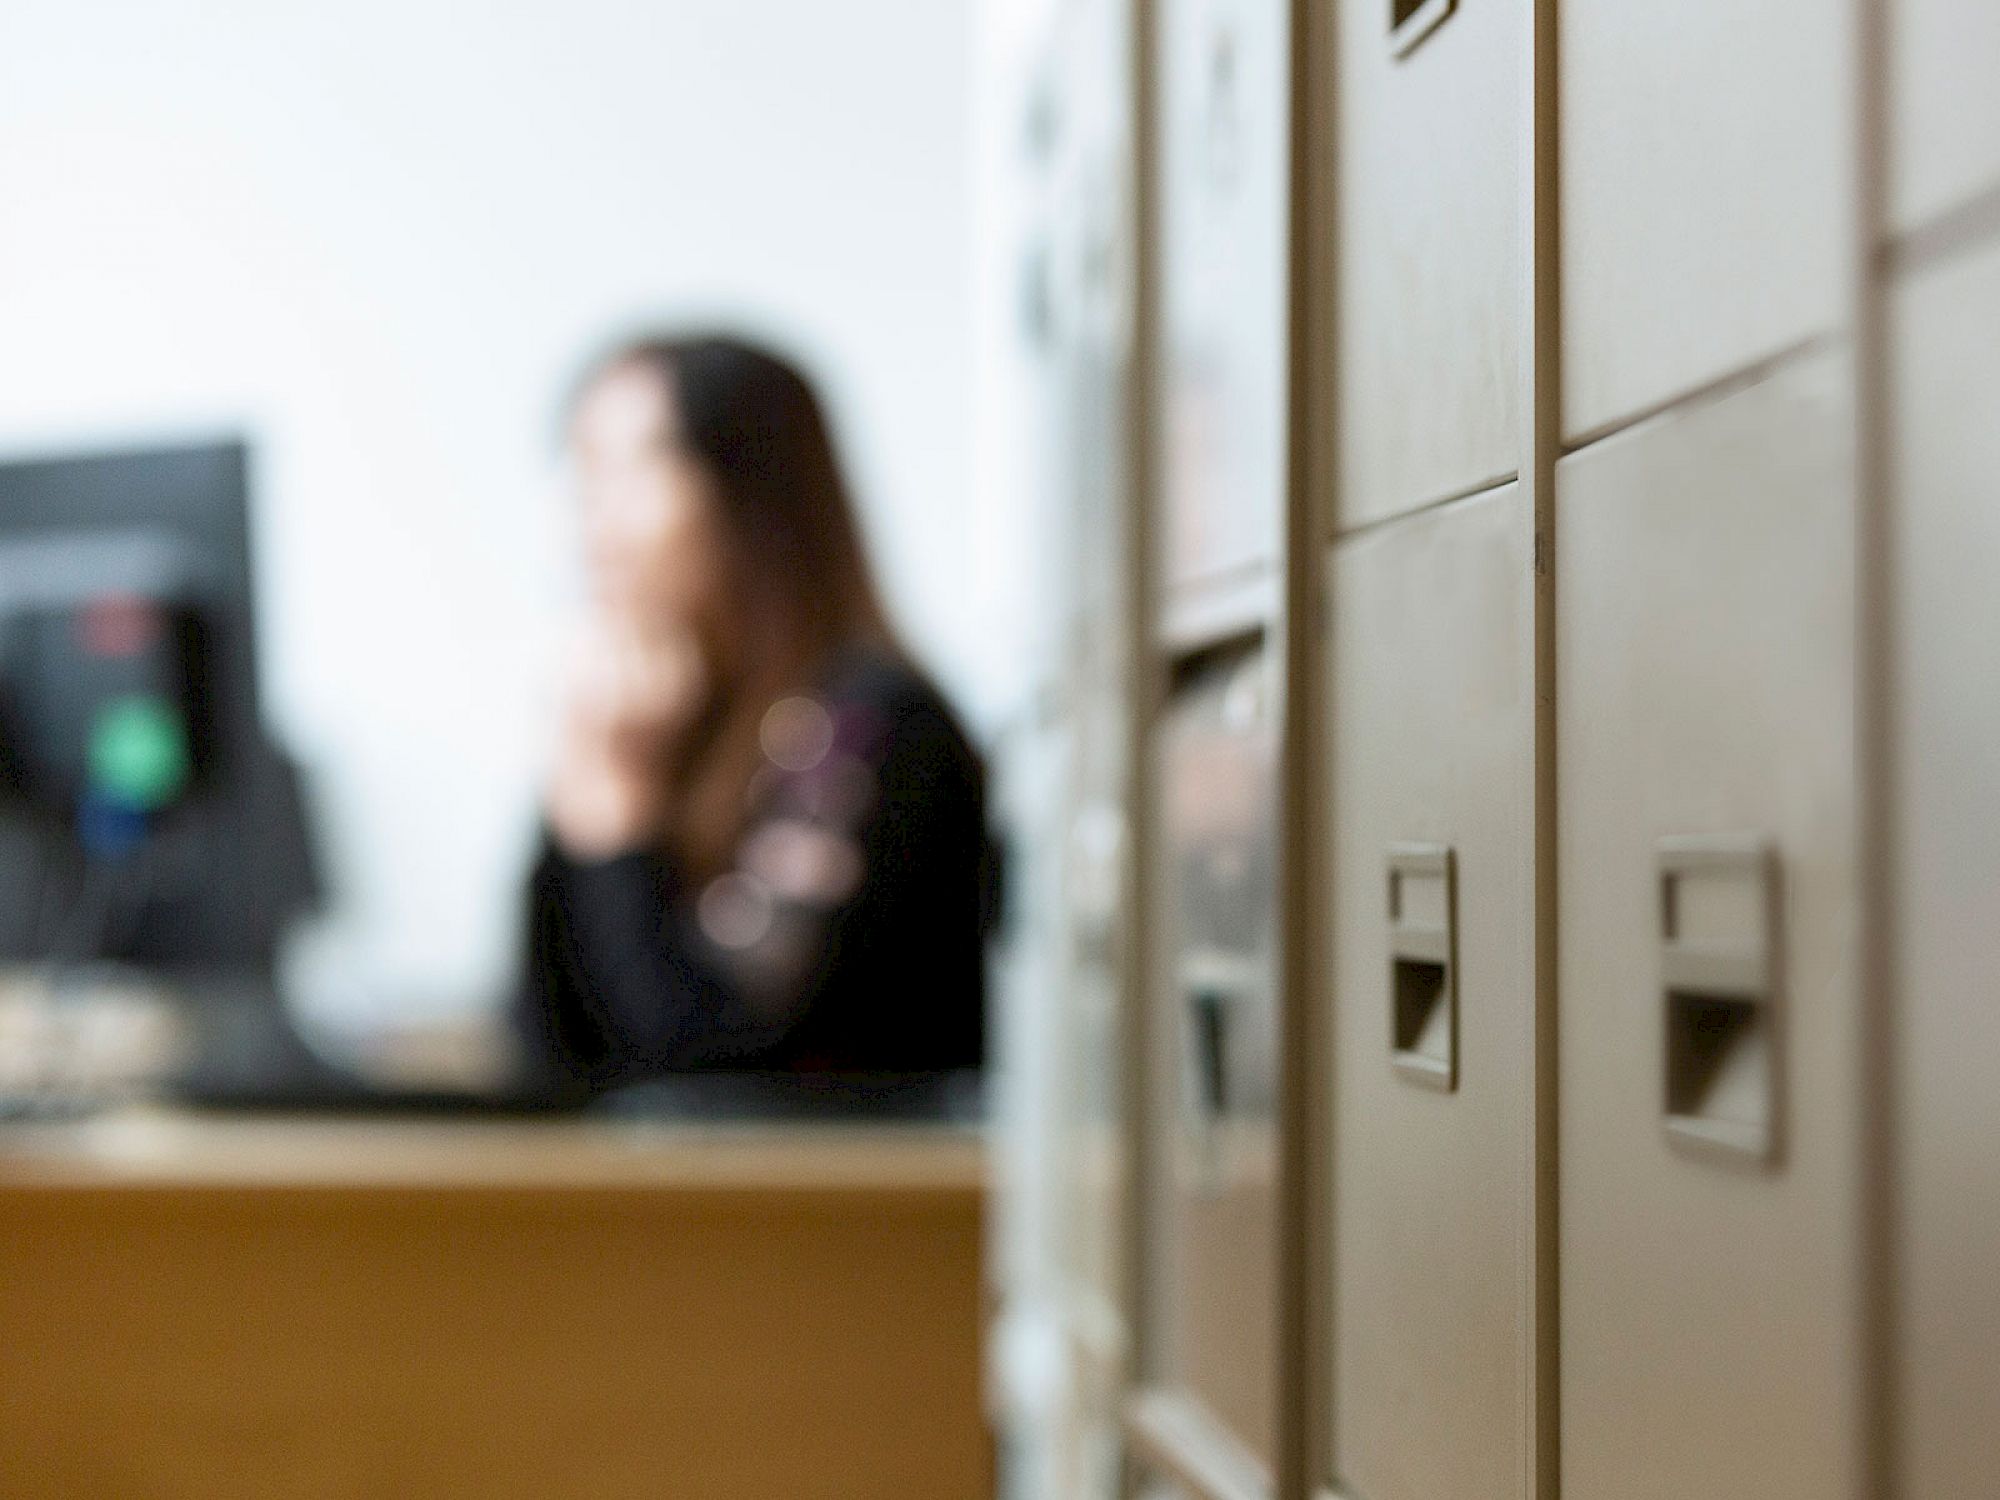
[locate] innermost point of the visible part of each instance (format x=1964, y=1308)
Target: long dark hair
x=800, y=575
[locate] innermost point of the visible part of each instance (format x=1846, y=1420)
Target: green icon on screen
x=139, y=752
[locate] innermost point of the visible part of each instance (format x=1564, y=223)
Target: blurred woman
x=766, y=834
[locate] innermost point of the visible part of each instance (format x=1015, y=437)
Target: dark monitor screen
x=145, y=816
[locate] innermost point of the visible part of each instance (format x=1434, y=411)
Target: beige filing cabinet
x=1205, y=1414
x=1090, y=375
x=1211, y=1222
x=1946, y=383
x=1708, y=1056
x=1944, y=118
x=1705, y=148
x=1097, y=940
x=1432, y=694
x=1222, y=204
x=1428, y=120
x=1089, y=372
x=1059, y=1343
x=1095, y=381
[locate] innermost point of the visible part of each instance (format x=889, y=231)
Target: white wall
x=379, y=235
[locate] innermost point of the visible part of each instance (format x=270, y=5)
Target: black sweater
x=846, y=937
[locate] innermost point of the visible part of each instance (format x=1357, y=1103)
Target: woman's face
x=651, y=519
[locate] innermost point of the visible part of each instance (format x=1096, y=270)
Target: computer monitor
x=146, y=818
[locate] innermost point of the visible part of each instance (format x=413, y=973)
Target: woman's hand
x=633, y=692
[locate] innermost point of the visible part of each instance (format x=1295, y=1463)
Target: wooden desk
x=236, y=1307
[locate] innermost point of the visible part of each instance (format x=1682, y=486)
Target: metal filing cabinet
x=1098, y=389
x=1946, y=383
x=1429, y=109
x=1093, y=381
x=1709, y=1040
x=1432, y=1149
x=1211, y=1221
x=1705, y=193
x=1064, y=1342
x=1222, y=207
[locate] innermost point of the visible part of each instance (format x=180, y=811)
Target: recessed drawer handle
x=1718, y=996
x=1423, y=965
x=1411, y=21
